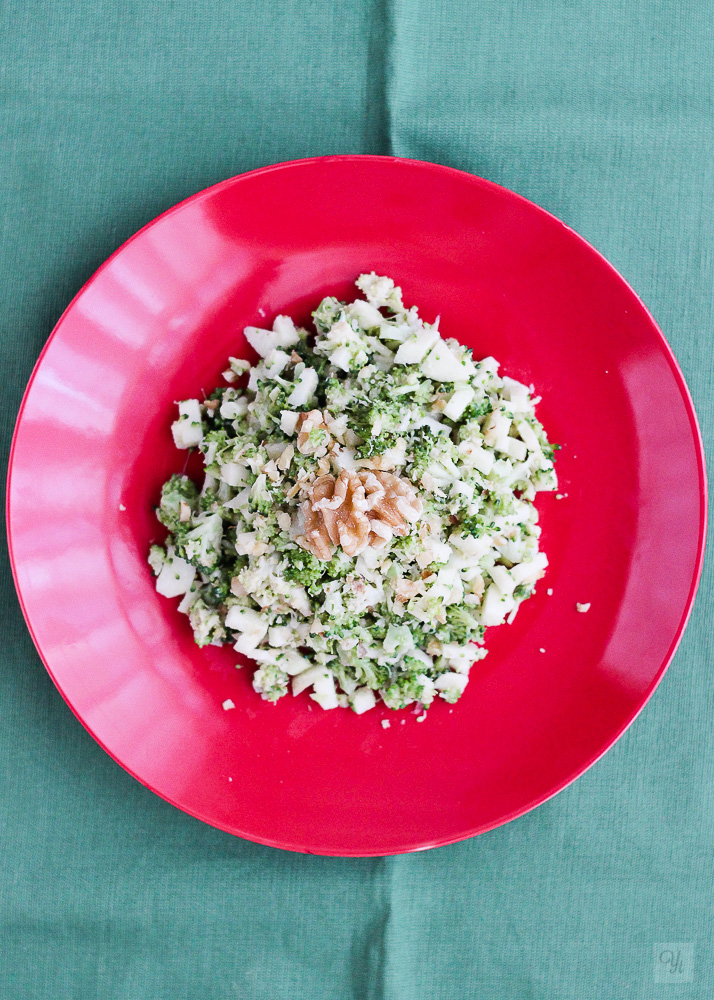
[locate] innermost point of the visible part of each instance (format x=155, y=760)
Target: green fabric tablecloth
x=604, y=114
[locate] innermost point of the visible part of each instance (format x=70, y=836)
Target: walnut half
x=356, y=510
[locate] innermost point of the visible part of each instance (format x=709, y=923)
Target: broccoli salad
x=366, y=510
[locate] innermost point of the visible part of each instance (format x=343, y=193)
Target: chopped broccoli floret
x=327, y=313
x=206, y=623
x=216, y=590
x=202, y=544
x=377, y=445
x=407, y=688
x=264, y=497
x=303, y=567
x=338, y=395
x=377, y=417
x=479, y=408
x=270, y=682
x=339, y=566
x=213, y=445
x=371, y=673
x=177, y=491
x=424, y=442
x=462, y=625
x=157, y=558
x=344, y=628
x=476, y=525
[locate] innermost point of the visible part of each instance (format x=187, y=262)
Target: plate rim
x=429, y=167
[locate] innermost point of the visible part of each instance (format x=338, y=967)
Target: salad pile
x=366, y=510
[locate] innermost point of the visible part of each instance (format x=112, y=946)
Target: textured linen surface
x=111, y=112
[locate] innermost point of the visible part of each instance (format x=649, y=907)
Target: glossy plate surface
x=156, y=323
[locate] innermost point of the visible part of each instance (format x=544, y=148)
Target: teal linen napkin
x=604, y=114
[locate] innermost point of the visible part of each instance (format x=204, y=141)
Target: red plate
x=156, y=323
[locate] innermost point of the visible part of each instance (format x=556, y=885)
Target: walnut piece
x=308, y=442
x=356, y=510
x=406, y=589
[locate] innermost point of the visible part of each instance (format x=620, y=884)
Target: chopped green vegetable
x=384, y=589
